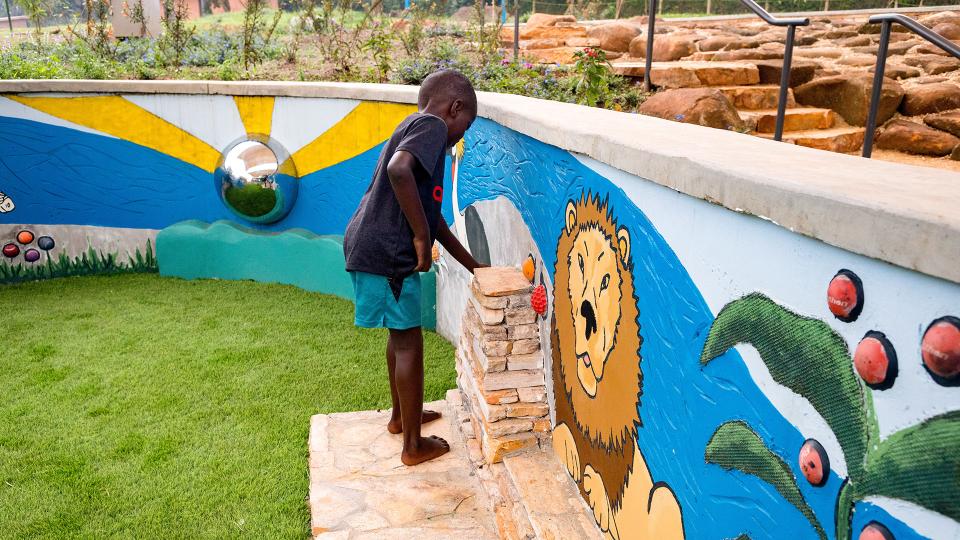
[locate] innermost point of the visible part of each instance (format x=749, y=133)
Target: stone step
x=550, y=497
x=686, y=74
x=757, y=97
x=795, y=119
x=838, y=139
x=358, y=487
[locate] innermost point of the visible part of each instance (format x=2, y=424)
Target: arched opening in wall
x=477, y=236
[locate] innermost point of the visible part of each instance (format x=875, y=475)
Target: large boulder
x=934, y=19
x=665, y=48
x=556, y=55
x=855, y=41
x=542, y=19
x=931, y=63
x=544, y=32
x=849, y=95
x=771, y=71
x=545, y=43
x=898, y=71
x=948, y=30
x=727, y=43
x=930, y=98
x=949, y=122
x=702, y=106
x=741, y=54
x=615, y=36
x=914, y=138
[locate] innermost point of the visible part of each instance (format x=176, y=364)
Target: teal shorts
x=377, y=308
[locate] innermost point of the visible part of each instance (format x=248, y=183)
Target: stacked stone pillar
x=500, y=365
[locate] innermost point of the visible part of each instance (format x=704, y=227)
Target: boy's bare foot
x=428, y=448
x=396, y=426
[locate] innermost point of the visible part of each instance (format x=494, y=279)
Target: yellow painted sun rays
x=364, y=127
x=123, y=119
x=256, y=113
x=367, y=125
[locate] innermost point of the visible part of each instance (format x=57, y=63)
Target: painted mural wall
x=715, y=375
x=89, y=182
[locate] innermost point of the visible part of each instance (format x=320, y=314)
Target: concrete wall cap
x=898, y=213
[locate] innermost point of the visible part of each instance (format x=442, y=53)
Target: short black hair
x=447, y=84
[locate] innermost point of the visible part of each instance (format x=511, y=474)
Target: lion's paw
x=665, y=520
x=597, y=497
x=566, y=451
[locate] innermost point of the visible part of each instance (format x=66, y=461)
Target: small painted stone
x=940, y=348
x=538, y=300
x=814, y=462
x=10, y=250
x=876, y=361
x=529, y=268
x=845, y=296
x=31, y=255
x=45, y=243
x=435, y=253
x=875, y=531
x=25, y=237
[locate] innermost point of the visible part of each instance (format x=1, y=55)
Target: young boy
x=389, y=240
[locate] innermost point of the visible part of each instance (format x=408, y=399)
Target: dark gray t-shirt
x=378, y=239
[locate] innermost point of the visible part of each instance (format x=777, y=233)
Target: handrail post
x=516, y=31
x=877, y=89
x=648, y=61
x=784, y=82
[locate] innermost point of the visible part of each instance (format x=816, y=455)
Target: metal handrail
x=791, y=25
x=887, y=21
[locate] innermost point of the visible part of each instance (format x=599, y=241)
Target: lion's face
x=596, y=332
x=595, y=299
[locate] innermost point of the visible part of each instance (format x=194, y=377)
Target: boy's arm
x=449, y=241
x=400, y=171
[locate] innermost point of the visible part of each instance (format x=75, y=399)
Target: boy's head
x=449, y=95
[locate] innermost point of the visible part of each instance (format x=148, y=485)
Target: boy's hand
x=449, y=241
x=424, y=254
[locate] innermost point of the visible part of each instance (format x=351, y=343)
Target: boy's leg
x=395, y=425
x=407, y=347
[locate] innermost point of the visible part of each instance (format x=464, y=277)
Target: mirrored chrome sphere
x=255, y=184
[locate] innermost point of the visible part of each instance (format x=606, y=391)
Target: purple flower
x=504, y=62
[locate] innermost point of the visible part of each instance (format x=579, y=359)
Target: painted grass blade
x=734, y=446
x=806, y=356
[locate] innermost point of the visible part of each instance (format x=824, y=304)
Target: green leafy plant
x=413, y=35
x=379, y=44
x=257, y=31
x=137, y=15
x=338, y=38
x=176, y=32
x=36, y=11
x=97, y=35
x=592, y=67
x=917, y=464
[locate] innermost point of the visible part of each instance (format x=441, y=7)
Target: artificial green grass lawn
x=141, y=406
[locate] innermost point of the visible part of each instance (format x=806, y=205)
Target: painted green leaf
x=920, y=464
x=806, y=356
x=734, y=446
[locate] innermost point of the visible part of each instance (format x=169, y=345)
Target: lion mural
x=598, y=381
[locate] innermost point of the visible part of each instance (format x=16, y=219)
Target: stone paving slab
x=360, y=489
